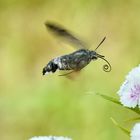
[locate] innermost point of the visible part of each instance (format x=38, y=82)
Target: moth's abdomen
x=51, y=67
x=63, y=62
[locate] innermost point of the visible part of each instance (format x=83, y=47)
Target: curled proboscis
x=106, y=67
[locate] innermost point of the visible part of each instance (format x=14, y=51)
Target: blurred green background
x=32, y=104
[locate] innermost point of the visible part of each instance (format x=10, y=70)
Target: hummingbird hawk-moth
x=74, y=61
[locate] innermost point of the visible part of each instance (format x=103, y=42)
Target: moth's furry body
x=74, y=61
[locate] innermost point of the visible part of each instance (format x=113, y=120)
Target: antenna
x=100, y=43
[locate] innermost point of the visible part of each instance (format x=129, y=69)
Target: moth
x=76, y=60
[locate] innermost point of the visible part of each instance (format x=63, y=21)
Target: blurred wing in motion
x=72, y=75
x=65, y=35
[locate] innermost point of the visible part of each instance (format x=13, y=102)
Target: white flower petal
x=50, y=138
x=127, y=101
x=135, y=133
x=129, y=92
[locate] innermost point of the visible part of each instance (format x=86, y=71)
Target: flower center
x=135, y=92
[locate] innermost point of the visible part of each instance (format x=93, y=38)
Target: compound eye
x=94, y=57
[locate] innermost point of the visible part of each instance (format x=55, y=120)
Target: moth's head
x=51, y=67
x=94, y=55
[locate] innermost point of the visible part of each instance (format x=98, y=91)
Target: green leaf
x=122, y=128
x=116, y=101
x=133, y=119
